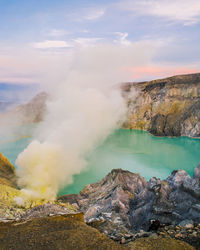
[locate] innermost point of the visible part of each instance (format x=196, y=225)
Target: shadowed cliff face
x=165, y=107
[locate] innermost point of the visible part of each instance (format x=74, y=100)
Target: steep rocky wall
x=165, y=107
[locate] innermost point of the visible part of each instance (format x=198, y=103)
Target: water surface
x=133, y=150
x=139, y=152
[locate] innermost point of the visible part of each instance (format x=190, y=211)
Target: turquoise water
x=11, y=145
x=134, y=150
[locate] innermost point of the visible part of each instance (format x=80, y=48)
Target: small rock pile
x=186, y=231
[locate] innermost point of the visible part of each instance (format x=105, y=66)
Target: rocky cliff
x=165, y=107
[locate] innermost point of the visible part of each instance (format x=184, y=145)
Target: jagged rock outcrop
x=165, y=107
x=124, y=202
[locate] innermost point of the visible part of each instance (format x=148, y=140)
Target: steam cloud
x=83, y=111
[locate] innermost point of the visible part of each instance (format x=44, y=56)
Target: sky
x=160, y=37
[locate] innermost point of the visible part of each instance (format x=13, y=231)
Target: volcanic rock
x=187, y=224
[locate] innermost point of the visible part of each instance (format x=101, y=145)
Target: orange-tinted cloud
x=154, y=71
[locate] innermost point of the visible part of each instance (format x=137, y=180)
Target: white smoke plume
x=84, y=109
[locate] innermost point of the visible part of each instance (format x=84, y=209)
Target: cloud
x=17, y=80
x=48, y=44
x=86, y=14
x=82, y=41
x=122, y=38
x=184, y=11
x=157, y=71
x=57, y=32
x=94, y=14
x=73, y=43
x=138, y=60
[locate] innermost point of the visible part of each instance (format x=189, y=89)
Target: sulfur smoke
x=84, y=109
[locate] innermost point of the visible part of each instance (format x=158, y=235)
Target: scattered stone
x=186, y=224
x=154, y=236
x=123, y=240
x=194, y=234
x=179, y=235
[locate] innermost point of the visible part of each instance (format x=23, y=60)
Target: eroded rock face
x=169, y=106
x=124, y=202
